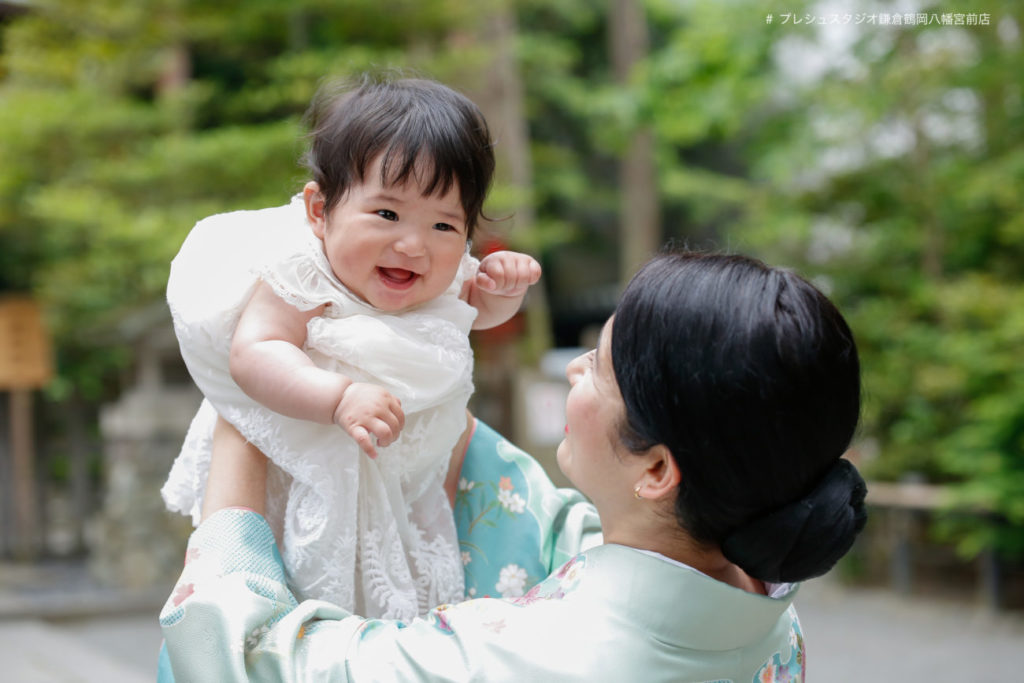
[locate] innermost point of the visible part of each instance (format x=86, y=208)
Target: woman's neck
x=677, y=545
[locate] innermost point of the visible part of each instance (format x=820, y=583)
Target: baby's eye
x=387, y=214
x=445, y=227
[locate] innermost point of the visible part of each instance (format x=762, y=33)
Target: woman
x=707, y=428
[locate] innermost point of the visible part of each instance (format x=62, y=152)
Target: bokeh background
x=875, y=147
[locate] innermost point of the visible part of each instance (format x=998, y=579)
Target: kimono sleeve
x=514, y=526
x=231, y=616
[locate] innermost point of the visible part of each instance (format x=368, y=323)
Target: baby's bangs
x=402, y=164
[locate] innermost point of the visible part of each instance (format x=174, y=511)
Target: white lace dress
x=374, y=536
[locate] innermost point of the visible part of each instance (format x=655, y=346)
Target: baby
x=333, y=334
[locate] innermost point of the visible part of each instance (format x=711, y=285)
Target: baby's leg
x=238, y=472
x=451, y=482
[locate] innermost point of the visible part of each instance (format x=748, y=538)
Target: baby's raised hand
x=367, y=411
x=507, y=273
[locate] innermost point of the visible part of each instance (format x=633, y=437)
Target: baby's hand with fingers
x=507, y=273
x=370, y=415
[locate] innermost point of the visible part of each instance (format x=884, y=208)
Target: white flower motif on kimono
x=511, y=581
x=466, y=558
x=512, y=502
x=465, y=485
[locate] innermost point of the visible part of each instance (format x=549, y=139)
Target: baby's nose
x=410, y=244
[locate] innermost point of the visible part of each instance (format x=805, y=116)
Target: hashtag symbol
x=768, y=19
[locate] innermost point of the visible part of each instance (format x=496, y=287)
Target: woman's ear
x=661, y=475
x=315, y=205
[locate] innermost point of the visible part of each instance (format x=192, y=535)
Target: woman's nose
x=574, y=370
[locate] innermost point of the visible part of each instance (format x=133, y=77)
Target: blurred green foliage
x=884, y=162
x=900, y=179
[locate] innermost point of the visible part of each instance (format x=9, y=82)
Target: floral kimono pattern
x=511, y=521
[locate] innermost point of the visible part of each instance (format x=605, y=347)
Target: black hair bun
x=805, y=538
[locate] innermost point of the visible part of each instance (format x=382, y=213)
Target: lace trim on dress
x=304, y=279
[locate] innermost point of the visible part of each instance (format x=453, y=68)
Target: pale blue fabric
x=610, y=613
x=514, y=526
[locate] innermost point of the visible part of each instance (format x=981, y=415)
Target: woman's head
x=420, y=130
x=750, y=377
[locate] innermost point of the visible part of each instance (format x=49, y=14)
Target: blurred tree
x=683, y=102
x=121, y=124
x=900, y=165
x=885, y=161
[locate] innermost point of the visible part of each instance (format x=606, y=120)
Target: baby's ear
x=315, y=208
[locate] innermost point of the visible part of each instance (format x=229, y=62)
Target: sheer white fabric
x=374, y=536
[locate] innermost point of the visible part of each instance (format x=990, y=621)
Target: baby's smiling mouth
x=397, y=276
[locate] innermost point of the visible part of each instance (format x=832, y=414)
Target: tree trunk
x=639, y=222
x=506, y=115
x=498, y=91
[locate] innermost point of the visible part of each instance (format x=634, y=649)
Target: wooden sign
x=26, y=357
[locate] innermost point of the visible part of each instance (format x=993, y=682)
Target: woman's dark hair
x=750, y=377
x=418, y=125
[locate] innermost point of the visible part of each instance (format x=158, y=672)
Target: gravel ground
x=871, y=634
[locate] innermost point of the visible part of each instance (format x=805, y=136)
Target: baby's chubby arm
x=500, y=285
x=268, y=363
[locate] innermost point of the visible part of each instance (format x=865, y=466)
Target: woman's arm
x=268, y=363
x=451, y=480
x=238, y=473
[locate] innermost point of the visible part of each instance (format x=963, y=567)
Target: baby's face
x=390, y=245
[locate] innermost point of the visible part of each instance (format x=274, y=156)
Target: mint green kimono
x=608, y=613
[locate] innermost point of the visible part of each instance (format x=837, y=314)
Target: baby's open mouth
x=397, y=276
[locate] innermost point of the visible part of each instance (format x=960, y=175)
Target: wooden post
x=79, y=448
x=990, y=591
x=25, y=364
x=23, y=475
x=6, y=485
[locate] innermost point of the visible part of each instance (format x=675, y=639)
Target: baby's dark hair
x=419, y=125
x=750, y=377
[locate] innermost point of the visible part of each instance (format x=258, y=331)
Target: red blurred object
x=505, y=333
x=491, y=245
